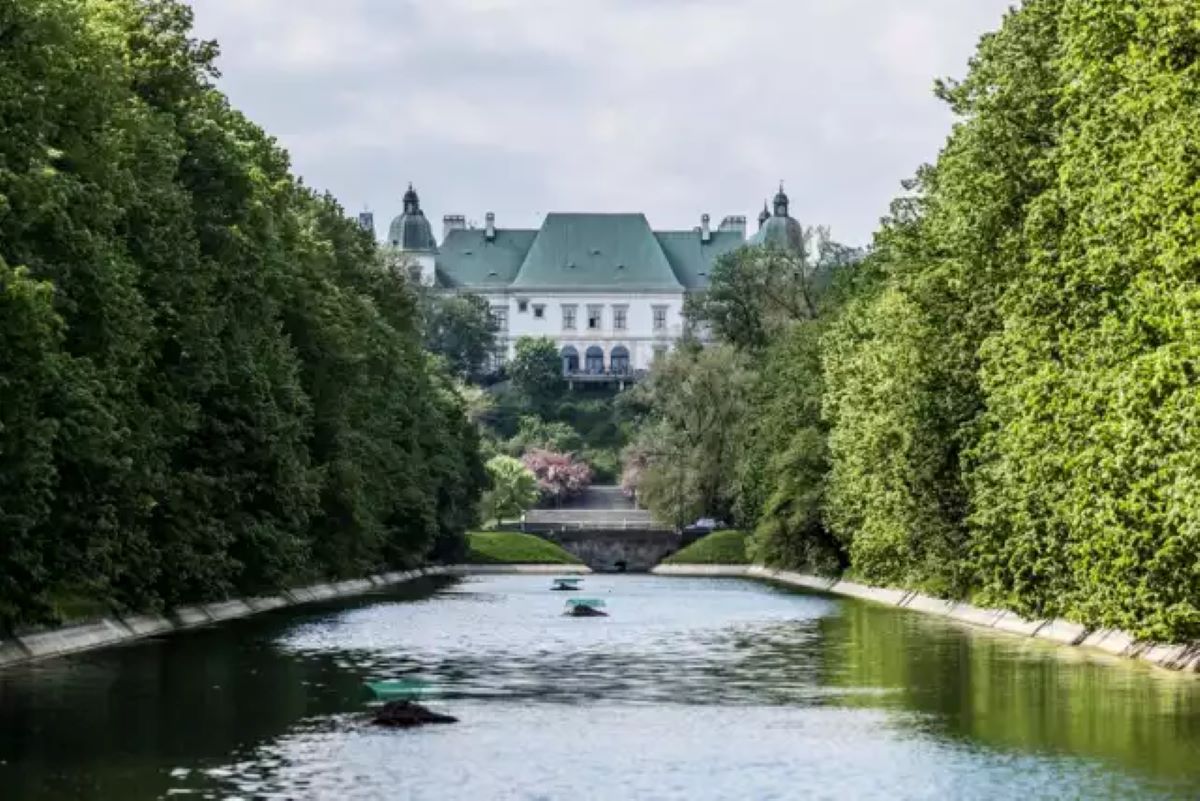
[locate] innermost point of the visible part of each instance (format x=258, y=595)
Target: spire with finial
x=781, y=202
x=764, y=215
x=412, y=204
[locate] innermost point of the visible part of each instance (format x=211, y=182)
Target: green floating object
x=398, y=689
x=595, y=603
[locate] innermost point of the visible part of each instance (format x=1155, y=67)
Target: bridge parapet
x=632, y=550
x=606, y=530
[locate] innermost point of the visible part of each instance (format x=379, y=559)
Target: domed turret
x=763, y=216
x=411, y=231
x=779, y=230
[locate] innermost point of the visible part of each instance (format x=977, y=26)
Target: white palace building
x=606, y=288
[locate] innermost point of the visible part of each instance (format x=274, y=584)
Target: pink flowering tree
x=559, y=475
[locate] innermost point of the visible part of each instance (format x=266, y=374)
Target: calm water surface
x=693, y=689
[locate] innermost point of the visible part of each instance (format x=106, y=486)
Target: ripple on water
x=696, y=689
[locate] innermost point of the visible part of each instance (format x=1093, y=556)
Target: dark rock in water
x=405, y=714
x=586, y=611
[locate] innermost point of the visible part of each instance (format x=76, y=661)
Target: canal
x=692, y=689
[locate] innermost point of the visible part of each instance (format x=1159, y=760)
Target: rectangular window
x=522, y=306
x=620, y=317
x=659, y=352
x=500, y=315
x=539, y=311
x=660, y=318
x=595, y=318
x=568, y=318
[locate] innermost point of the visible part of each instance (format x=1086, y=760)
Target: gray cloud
x=671, y=107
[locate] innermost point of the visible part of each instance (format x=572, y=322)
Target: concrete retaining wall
x=116, y=630
x=1184, y=658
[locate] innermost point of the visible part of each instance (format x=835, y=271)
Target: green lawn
x=718, y=548
x=514, y=548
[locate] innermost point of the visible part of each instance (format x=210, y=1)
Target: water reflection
x=692, y=689
x=1021, y=694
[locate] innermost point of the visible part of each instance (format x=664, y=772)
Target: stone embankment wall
x=1172, y=657
x=95, y=634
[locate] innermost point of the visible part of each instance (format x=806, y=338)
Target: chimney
x=705, y=230
x=366, y=221
x=452, y=222
x=734, y=223
x=490, y=235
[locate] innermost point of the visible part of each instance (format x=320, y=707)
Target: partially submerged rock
x=406, y=714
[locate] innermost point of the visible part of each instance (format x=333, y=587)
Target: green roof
x=602, y=251
x=692, y=259
x=468, y=259
x=583, y=251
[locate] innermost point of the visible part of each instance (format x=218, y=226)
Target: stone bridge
x=605, y=530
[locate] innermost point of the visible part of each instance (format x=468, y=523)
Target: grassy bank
x=718, y=548
x=514, y=548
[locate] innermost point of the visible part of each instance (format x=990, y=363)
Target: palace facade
x=607, y=288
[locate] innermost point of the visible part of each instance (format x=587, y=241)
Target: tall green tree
x=33, y=371
x=514, y=489
x=218, y=386
x=904, y=398
x=694, y=401
x=1085, y=486
x=756, y=293
x=537, y=373
x=460, y=328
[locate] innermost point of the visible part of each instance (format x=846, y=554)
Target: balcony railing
x=597, y=375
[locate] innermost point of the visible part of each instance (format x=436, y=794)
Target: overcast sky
x=670, y=107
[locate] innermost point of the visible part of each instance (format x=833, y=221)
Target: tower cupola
x=781, y=202
x=411, y=231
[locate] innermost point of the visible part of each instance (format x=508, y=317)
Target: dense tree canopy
x=536, y=372
x=756, y=293
x=686, y=452
x=210, y=385
x=460, y=328
x=1001, y=402
x=514, y=489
